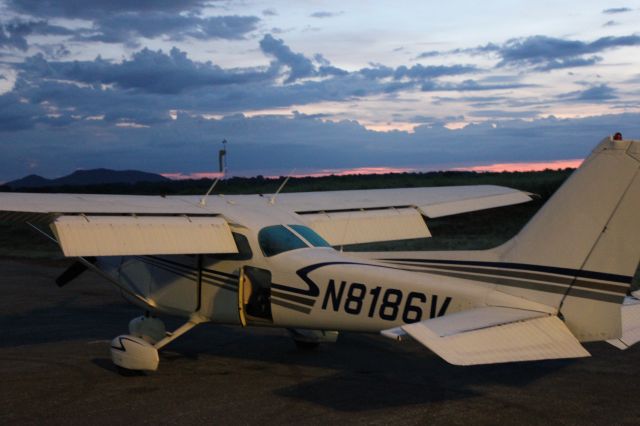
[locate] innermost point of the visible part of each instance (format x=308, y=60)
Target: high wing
x=492, y=335
x=362, y=216
x=104, y=225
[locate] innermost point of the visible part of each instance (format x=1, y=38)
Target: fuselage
x=308, y=287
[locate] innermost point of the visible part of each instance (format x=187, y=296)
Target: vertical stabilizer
x=588, y=231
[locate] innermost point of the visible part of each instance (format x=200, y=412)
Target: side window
x=244, y=249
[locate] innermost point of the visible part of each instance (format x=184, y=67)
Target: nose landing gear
x=139, y=349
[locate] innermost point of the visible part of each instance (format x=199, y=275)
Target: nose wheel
x=138, y=351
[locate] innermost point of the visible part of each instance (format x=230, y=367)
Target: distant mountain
x=87, y=177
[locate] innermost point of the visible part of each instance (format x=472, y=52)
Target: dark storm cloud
x=614, y=10
x=98, y=8
x=600, y=92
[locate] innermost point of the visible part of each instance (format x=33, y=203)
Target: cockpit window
x=310, y=235
x=278, y=239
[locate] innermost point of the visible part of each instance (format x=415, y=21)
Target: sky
x=315, y=86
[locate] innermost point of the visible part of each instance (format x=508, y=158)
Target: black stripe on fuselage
x=602, y=276
x=288, y=305
x=293, y=298
x=562, y=280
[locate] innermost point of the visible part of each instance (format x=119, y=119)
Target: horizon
x=487, y=168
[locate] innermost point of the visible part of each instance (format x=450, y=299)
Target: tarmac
x=55, y=369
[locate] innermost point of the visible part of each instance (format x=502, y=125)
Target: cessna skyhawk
x=269, y=261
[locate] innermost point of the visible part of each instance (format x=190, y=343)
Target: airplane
x=271, y=261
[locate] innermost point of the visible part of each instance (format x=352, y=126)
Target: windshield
x=310, y=235
x=278, y=239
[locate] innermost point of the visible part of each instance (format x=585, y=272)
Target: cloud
x=270, y=12
x=299, y=65
x=147, y=71
x=325, y=14
x=610, y=24
x=127, y=27
x=615, y=10
x=273, y=145
x=419, y=71
x=543, y=53
x=14, y=34
x=124, y=22
x=546, y=53
x=597, y=93
x=16, y=115
x=98, y=8
x=470, y=86
x=145, y=87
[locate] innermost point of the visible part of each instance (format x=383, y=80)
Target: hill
x=88, y=177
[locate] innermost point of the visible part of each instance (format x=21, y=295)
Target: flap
x=131, y=235
x=493, y=335
x=356, y=227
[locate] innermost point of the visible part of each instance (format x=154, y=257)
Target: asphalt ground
x=55, y=369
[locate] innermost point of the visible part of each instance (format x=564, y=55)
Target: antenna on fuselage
x=222, y=164
x=272, y=200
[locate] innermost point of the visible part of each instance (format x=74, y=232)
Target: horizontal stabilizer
x=630, y=311
x=494, y=335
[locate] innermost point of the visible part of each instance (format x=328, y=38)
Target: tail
x=585, y=242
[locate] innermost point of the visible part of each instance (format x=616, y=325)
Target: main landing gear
x=306, y=339
x=138, y=350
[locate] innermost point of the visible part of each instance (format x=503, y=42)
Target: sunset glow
x=524, y=167
x=495, y=168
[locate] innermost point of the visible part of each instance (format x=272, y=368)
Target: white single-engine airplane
x=268, y=261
